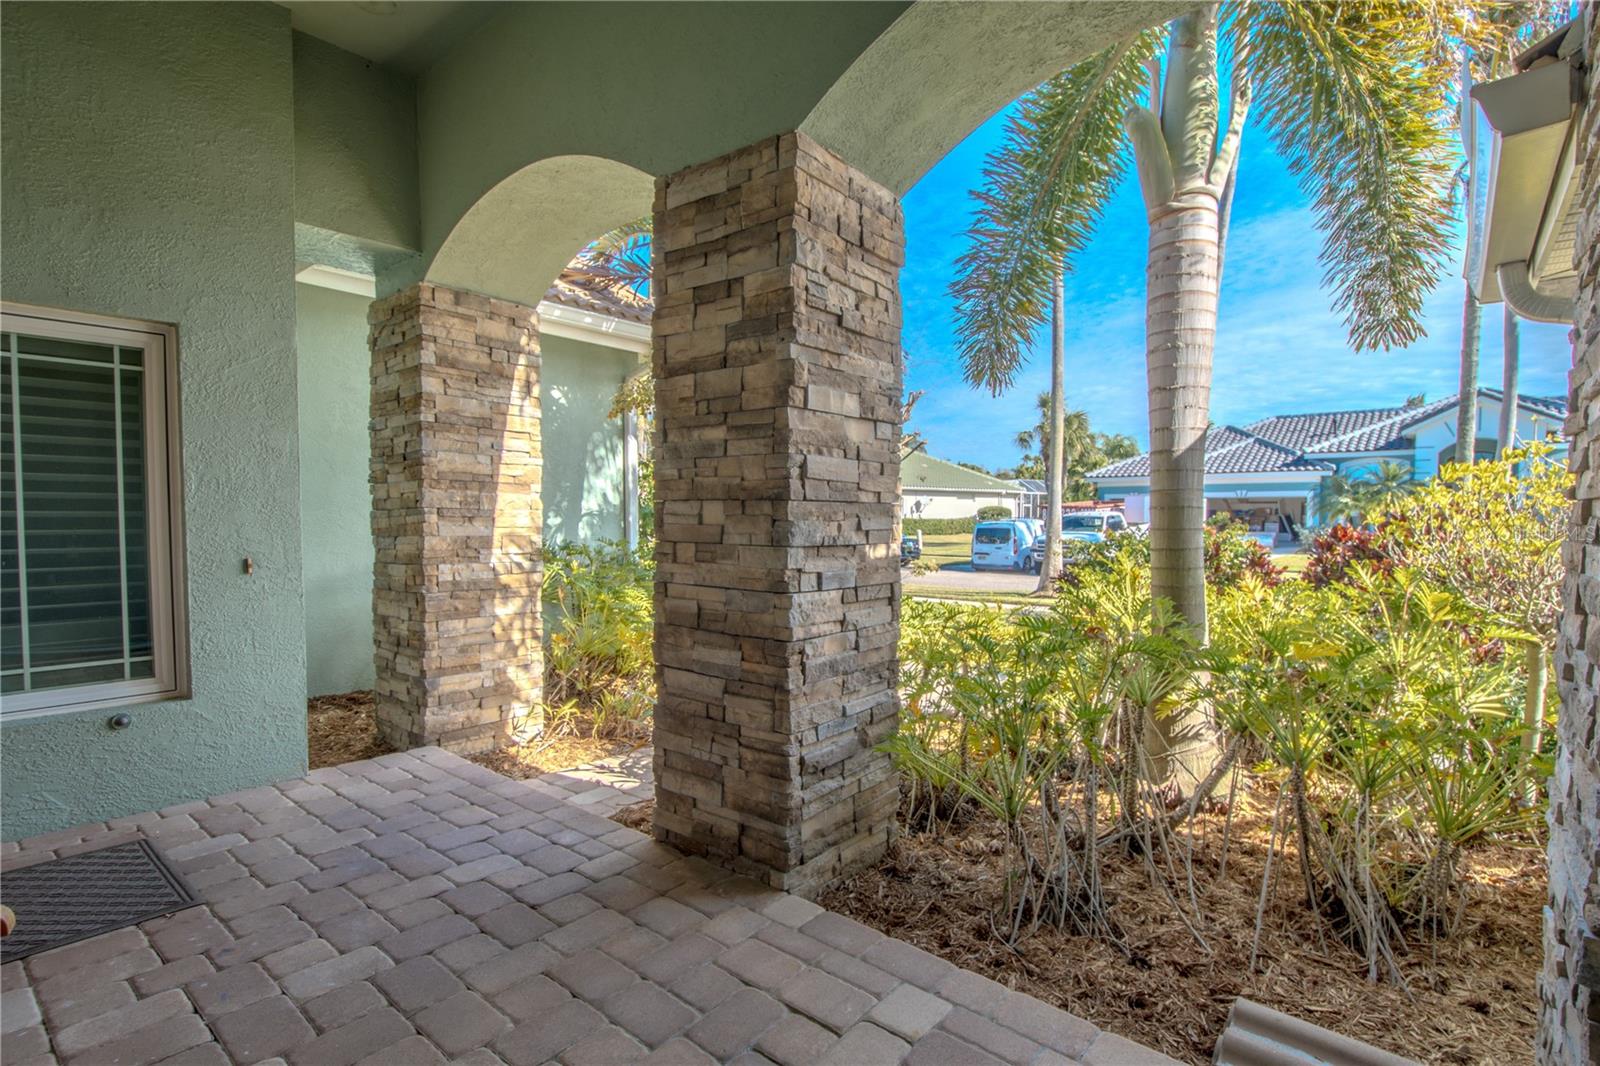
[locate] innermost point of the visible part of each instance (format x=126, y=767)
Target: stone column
x=778, y=379
x=456, y=518
x=1569, y=984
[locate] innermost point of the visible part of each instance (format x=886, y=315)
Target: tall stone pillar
x=1569, y=984
x=456, y=518
x=778, y=379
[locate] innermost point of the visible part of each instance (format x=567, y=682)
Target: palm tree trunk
x=1512, y=344
x=1533, y=705
x=1180, y=329
x=1058, y=425
x=1467, y=401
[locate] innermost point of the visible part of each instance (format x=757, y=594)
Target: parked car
x=1091, y=526
x=1006, y=545
x=909, y=550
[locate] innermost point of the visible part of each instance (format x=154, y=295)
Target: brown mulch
x=344, y=728
x=341, y=729
x=544, y=755
x=1472, y=998
x=638, y=816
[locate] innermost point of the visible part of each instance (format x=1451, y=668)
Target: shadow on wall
x=583, y=477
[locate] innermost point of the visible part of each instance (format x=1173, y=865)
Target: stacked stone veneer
x=456, y=518
x=1569, y=986
x=778, y=378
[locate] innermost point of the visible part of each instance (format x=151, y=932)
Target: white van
x=1003, y=545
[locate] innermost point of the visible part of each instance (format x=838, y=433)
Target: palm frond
x=1357, y=98
x=1043, y=190
x=619, y=261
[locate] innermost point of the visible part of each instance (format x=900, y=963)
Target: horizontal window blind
x=78, y=606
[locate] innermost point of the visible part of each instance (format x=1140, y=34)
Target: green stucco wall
x=335, y=513
x=146, y=170
x=355, y=144
x=583, y=453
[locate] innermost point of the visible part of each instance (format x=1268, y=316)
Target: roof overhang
x=1259, y=478
x=555, y=320
x=1521, y=149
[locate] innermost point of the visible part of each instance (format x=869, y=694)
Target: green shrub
x=993, y=513
x=938, y=526
x=1335, y=551
x=1231, y=553
x=1370, y=707
x=599, y=656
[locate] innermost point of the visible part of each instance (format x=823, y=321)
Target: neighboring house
x=589, y=343
x=934, y=488
x=1268, y=472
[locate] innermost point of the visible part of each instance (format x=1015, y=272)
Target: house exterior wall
x=1433, y=437
x=149, y=173
x=335, y=516
x=583, y=447
x=938, y=503
x=355, y=146
x=1569, y=984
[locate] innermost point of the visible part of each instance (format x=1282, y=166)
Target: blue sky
x=1280, y=348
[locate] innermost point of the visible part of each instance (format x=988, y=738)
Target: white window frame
x=166, y=576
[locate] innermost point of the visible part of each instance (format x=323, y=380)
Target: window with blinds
x=90, y=573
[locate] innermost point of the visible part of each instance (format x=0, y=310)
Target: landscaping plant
x=1376, y=710
x=599, y=661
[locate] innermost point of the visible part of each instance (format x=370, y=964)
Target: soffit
x=407, y=36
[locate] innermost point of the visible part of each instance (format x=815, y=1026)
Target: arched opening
x=515, y=240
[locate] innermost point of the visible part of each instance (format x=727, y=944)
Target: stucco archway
x=514, y=240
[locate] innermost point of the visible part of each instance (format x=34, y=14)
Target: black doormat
x=65, y=900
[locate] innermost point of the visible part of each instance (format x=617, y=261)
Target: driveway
x=961, y=577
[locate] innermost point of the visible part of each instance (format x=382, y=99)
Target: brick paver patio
x=419, y=909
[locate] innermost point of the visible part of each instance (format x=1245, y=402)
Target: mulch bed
x=344, y=728
x=341, y=729
x=544, y=755
x=1471, y=998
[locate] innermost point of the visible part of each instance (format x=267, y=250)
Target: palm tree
x=1366, y=497
x=1351, y=95
x=1382, y=489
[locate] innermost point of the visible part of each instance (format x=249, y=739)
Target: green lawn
x=944, y=548
x=1294, y=563
x=1006, y=599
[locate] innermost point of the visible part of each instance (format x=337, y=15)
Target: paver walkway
x=418, y=908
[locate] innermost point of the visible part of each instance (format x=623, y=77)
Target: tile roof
x=1377, y=429
x=1229, y=450
x=573, y=289
x=1282, y=443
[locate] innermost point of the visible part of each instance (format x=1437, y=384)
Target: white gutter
x=1523, y=297
x=1523, y=213
x=558, y=320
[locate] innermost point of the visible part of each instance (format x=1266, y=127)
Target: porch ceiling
x=408, y=36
